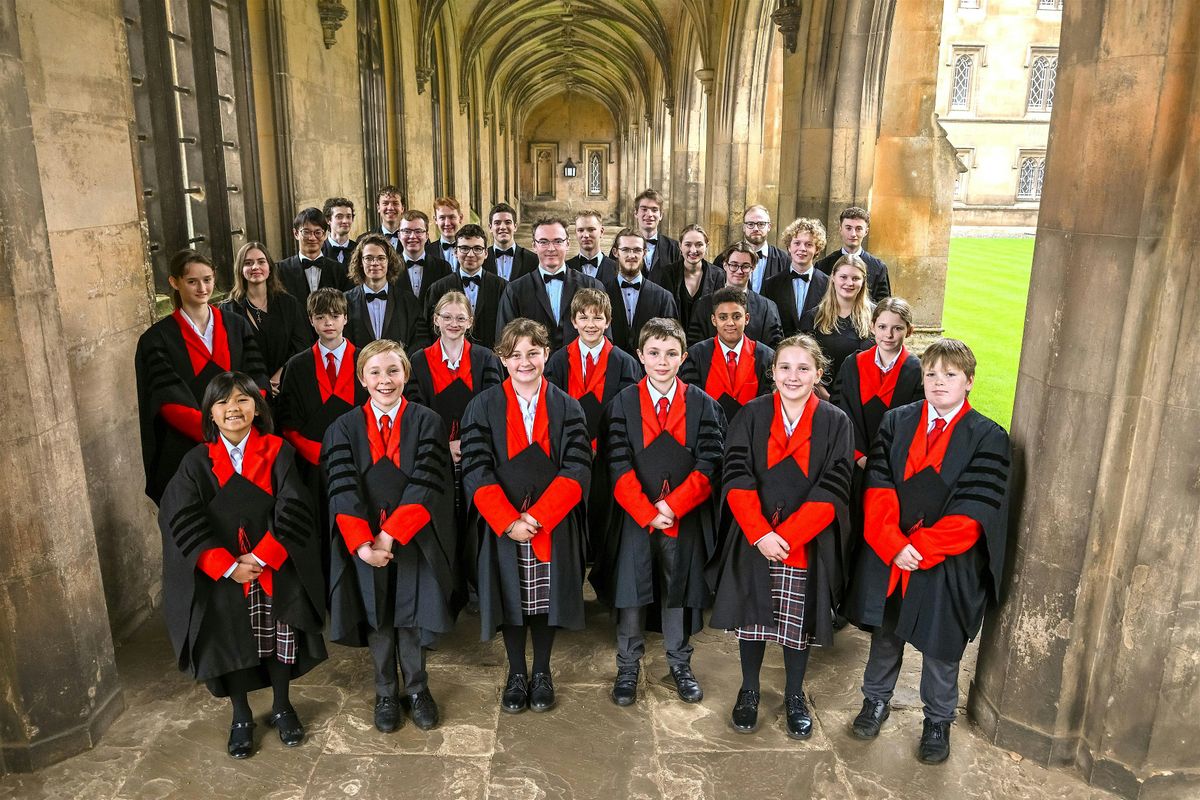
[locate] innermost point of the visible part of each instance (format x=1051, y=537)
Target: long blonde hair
x=826, y=317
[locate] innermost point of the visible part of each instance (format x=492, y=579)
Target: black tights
x=281, y=676
x=795, y=662
x=542, y=633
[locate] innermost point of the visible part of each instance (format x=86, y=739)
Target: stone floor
x=170, y=742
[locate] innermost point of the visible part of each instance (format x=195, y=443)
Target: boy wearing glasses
x=483, y=289
x=762, y=323
x=380, y=306
x=545, y=294
x=309, y=270
x=635, y=300
x=421, y=269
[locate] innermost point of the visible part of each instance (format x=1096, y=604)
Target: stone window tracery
x=1042, y=74
x=1032, y=174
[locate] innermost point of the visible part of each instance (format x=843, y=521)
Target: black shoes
x=515, y=698
x=541, y=692
x=287, y=724
x=624, y=691
x=241, y=740
x=874, y=712
x=387, y=714
x=745, y=711
x=799, y=720
x=686, y=685
x=935, y=743
x=424, y=710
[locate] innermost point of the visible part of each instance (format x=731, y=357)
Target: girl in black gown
x=841, y=322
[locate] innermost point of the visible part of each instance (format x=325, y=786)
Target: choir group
x=371, y=434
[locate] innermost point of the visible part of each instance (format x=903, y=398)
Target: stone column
x=1094, y=656
x=56, y=655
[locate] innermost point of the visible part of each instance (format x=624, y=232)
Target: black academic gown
x=666, y=252
x=523, y=478
x=777, y=261
x=623, y=574
x=421, y=579
x=763, y=325
x=943, y=607
x=605, y=272
x=527, y=297
x=653, y=301
x=208, y=620
x=168, y=386
x=741, y=573
x=284, y=330
x=878, y=282
x=451, y=402
x=401, y=319
x=487, y=305
x=837, y=346
x=333, y=276
x=671, y=278
x=697, y=370
x=524, y=262
x=779, y=290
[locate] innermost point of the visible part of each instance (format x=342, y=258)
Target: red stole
x=380, y=448
x=577, y=383
x=780, y=445
x=920, y=455
x=515, y=425
x=197, y=353
x=442, y=375
x=872, y=381
x=258, y=459
x=676, y=414
x=344, y=387
x=745, y=386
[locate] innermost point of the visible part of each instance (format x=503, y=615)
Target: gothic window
x=965, y=155
x=961, y=83
x=1049, y=5
x=193, y=109
x=1032, y=173
x=1042, y=73
x=595, y=160
x=595, y=174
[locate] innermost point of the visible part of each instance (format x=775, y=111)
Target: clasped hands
x=665, y=517
x=523, y=528
x=377, y=553
x=908, y=559
x=247, y=569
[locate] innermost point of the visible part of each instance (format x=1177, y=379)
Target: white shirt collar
x=380, y=413
x=205, y=335
x=656, y=395
x=240, y=447
x=453, y=365
x=885, y=368
x=560, y=271
x=789, y=426
x=736, y=349
x=808, y=271
x=338, y=351
x=932, y=414
x=594, y=352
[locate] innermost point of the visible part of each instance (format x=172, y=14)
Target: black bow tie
x=447, y=245
x=557, y=276
x=589, y=262
x=652, y=241
x=380, y=295
x=510, y=252
x=631, y=285
x=796, y=276
x=469, y=279
x=306, y=262
x=420, y=262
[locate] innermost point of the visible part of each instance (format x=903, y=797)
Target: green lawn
x=987, y=282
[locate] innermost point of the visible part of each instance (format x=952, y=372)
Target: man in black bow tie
x=635, y=300
x=447, y=217
x=389, y=203
x=483, y=289
x=421, y=268
x=505, y=257
x=545, y=294
x=309, y=270
x=801, y=287
x=589, y=232
x=660, y=249
x=339, y=211
x=380, y=306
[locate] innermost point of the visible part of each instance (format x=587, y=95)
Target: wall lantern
x=569, y=169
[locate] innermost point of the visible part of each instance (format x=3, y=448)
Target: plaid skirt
x=273, y=638
x=535, y=581
x=787, y=592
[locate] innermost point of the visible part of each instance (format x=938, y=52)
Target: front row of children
x=756, y=519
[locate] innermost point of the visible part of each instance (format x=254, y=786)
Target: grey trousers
x=388, y=643
x=939, y=679
x=631, y=639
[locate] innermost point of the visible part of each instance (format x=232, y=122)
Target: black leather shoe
x=241, y=740
x=624, y=691
x=874, y=712
x=387, y=714
x=799, y=720
x=745, y=711
x=935, y=743
x=541, y=692
x=515, y=698
x=424, y=710
x=287, y=724
x=686, y=685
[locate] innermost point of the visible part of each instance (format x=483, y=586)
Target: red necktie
x=331, y=369
x=588, y=365
x=939, y=425
x=663, y=405
x=385, y=430
x=731, y=366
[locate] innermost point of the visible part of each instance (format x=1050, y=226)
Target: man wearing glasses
x=769, y=260
x=421, y=269
x=309, y=270
x=763, y=325
x=635, y=300
x=505, y=257
x=545, y=294
x=380, y=305
x=482, y=288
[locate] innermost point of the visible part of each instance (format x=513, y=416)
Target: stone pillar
x=912, y=186
x=1094, y=656
x=56, y=655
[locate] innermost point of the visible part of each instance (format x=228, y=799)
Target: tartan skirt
x=535, y=581
x=273, y=638
x=788, y=586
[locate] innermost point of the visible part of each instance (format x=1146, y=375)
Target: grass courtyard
x=987, y=282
